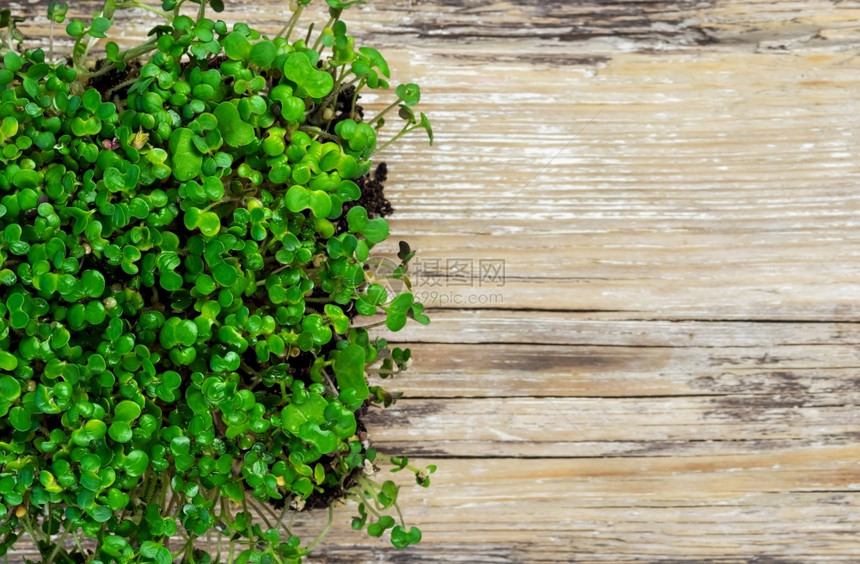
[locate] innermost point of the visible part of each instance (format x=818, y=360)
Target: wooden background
x=670, y=371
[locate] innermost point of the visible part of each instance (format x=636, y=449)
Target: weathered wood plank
x=737, y=180
x=558, y=31
x=501, y=327
x=593, y=427
x=791, y=506
x=535, y=370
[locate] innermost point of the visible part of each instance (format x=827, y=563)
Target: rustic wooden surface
x=670, y=371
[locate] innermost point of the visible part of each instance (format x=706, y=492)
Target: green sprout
x=182, y=265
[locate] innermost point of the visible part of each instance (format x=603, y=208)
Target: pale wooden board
x=796, y=505
x=673, y=187
x=526, y=370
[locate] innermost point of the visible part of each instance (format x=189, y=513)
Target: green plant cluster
x=181, y=287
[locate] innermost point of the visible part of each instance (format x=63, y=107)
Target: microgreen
x=182, y=265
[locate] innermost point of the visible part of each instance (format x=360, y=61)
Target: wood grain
x=669, y=370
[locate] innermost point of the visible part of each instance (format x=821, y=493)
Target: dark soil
x=372, y=197
x=113, y=78
x=344, y=105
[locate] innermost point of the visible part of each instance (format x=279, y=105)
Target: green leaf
x=376, y=230
x=395, y=321
x=186, y=161
x=155, y=552
x=293, y=416
x=115, y=546
x=186, y=332
x=75, y=28
x=26, y=178
x=170, y=281
x=323, y=440
x=299, y=69
x=101, y=513
x=20, y=419
x=93, y=283
x=8, y=361
x=425, y=125
x=376, y=59
x=126, y=411
x=224, y=274
x=409, y=93
x=402, y=303
x=209, y=223
x=236, y=46
x=376, y=529
x=233, y=128
x=297, y=198
x=349, y=370
x=99, y=26
x=400, y=538
x=136, y=463
x=117, y=500
x=319, y=203
x=120, y=431
x=263, y=54
x=356, y=218
x=57, y=10
x=92, y=430
x=10, y=388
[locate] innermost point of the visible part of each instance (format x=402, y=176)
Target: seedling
x=180, y=283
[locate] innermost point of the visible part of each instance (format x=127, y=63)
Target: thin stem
x=245, y=506
x=226, y=514
x=77, y=538
x=379, y=116
x=188, y=550
x=328, y=24
x=371, y=326
x=126, y=56
x=284, y=514
x=104, y=70
x=403, y=132
x=177, y=8
x=59, y=544
x=325, y=531
x=330, y=383
x=291, y=24
x=361, y=498
x=355, y=97
x=25, y=522
x=262, y=510
x=174, y=498
x=120, y=86
x=76, y=57
x=142, y=6
x=399, y=514
x=320, y=132
x=308, y=36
